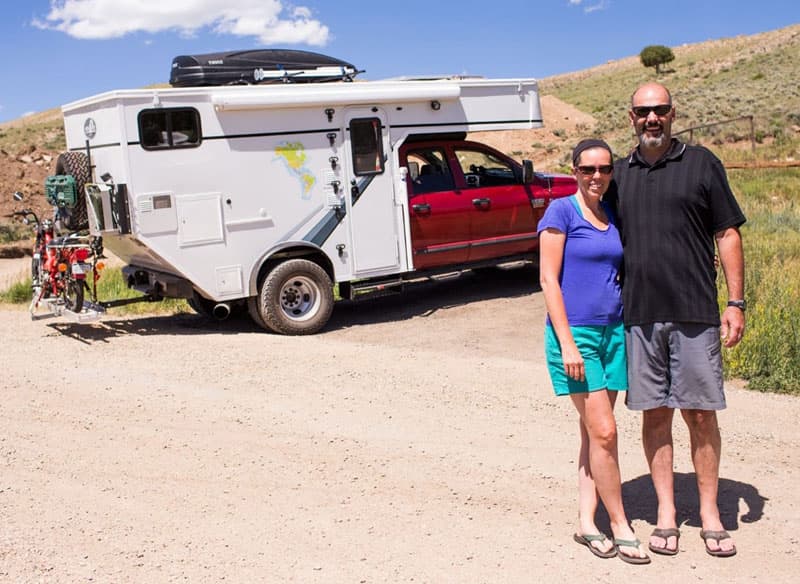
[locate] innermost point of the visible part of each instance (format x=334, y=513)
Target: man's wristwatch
x=740, y=304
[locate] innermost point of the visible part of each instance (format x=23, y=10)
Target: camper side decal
x=320, y=233
x=293, y=156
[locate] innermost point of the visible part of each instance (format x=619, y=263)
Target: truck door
x=370, y=192
x=502, y=220
x=439, y=213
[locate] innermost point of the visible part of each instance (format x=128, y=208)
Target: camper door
x=370, y=193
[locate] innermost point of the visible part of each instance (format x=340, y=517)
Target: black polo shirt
x=669, y=213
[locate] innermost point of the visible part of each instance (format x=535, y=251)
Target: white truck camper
x=268, y=196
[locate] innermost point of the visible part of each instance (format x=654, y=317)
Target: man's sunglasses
x=642, y=111
x=590, y=170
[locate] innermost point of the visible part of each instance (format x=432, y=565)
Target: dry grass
x=711, y=81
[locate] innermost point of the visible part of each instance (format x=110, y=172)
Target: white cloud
x=602, y=5
x=599, y=5
x=269, y=21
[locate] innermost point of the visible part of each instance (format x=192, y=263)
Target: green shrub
x=110, y=286
x=768, y=357
x=18, y=293
x=13, y=232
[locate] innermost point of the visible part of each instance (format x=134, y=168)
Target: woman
x=580, y=257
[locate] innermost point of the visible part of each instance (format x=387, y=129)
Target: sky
x=58, y=51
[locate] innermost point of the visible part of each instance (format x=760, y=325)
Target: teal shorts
x=603, y=350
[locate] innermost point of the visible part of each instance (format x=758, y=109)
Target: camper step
x=372, y=288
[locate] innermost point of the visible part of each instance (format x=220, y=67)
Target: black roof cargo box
x=258, y=66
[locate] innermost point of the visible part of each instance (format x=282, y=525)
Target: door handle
x=482, y=203
x=422, y=208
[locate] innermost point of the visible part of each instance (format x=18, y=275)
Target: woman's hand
x=573, y=362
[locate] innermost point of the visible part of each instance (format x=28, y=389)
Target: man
x=674, y=203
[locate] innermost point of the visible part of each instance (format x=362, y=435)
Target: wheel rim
x=300, y=298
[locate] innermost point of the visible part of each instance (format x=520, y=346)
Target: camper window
x=367, y=146
x=169, y=128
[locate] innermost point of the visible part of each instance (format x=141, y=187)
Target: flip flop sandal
x=587, y=541
x=717, y=536
x=664, y=533
x=631, y=543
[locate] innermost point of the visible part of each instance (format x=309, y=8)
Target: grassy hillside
x=710, y=82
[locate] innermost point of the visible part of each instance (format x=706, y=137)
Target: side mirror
x=18, y=196
x=527, y=172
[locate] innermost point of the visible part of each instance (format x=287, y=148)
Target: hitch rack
x=91, y=312
x=56, y=307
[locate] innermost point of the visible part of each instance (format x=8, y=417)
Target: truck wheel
x=296, y=298
x=255, y=313
x=76, y=164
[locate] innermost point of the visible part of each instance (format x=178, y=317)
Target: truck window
x=483, y=169
x=169, y=128
x=428, y=171
x=367, y=146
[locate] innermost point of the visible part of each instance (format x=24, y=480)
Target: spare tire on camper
x=258, y=66
x=73, y=215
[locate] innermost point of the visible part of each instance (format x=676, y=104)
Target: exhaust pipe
x=221, y=311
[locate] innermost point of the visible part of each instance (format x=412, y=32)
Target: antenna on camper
x=318, y=74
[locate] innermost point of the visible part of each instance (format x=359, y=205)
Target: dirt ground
x=415, y=440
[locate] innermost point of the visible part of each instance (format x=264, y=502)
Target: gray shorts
x=677, y=365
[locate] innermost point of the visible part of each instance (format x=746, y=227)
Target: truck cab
x=469, y=202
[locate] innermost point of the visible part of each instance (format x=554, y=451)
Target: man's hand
x=732, y=327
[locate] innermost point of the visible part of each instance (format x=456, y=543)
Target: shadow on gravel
x=426, y=298
x=640, y=502
x=419, y=299
x=176, y=324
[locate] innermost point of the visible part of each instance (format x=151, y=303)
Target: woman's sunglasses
x=590, y=170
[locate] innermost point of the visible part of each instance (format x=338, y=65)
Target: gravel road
x=415, y=440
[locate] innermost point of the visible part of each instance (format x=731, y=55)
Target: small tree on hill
x=655, y=56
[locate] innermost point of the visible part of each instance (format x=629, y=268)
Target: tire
x=296, y=298
x=202, y=306
x=73, y=294
x=77, y=165
x=255, y=313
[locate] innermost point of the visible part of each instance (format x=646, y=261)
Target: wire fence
x=711, y=132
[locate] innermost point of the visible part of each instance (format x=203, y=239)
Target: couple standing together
x=666, y=205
